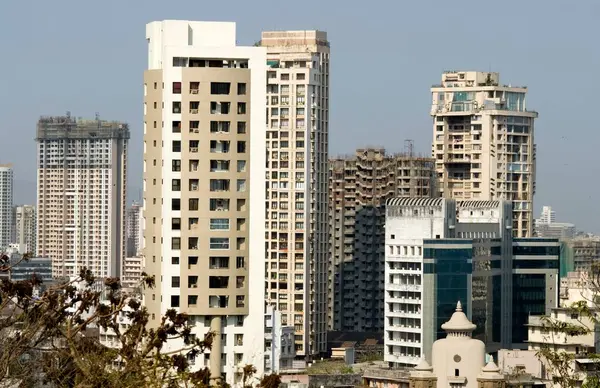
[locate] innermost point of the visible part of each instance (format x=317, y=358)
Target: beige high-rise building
x=483, y=142
x=81, y=189
x=204, y=188
x=297, y=136
x=24, y=228
x=359, y=186
x=6, y=205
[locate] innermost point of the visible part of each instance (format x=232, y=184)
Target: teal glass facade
x=452, y=268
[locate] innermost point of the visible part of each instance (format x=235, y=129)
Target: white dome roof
x=459, y=321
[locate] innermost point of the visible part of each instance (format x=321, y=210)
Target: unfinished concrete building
x=81, y=189
x=359, y=186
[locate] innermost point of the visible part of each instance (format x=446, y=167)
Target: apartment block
x=6, y=205
x=439, y=251
x=81, y=183
x=359, y=186
x=483, y=142
x=134, y=233
x=24, y=227
x=204, y=188
x=296, y=199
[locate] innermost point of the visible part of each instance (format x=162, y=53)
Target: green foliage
x=47, y=339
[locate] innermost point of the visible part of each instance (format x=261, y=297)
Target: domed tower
x=490, y=377
x=422, y=376
x=458, y=358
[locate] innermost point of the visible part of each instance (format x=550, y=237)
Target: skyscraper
x=134, y=230
x=483, y=142
x=359, y=186
x=24, y=228
x=81, y=194
x=6, y=205
x=297, y=136
x=204, y=188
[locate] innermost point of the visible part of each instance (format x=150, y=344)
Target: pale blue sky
x=89, y=57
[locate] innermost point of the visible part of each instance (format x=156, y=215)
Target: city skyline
x=412, y=71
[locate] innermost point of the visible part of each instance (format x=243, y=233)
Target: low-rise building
x=279, y=343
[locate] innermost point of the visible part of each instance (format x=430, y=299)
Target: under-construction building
x=81, y=194
x=359, y=186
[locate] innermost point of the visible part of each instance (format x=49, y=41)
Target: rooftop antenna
x=98, y=119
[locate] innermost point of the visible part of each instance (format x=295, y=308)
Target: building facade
x=6, y=205
x=204, y=189
x=134, y=233
x=280, y=349
x=439, y=251
x=24, y=225
x=359, y=186
x=81, y=183
x=483, y=142
x=297, y=150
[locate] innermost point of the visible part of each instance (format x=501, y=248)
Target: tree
x=558, y=333
x=46, y=339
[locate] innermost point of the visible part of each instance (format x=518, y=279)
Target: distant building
x=279, y=343
x=134, y=232
x=359, y=185
x=483, y=142
x=579, y=254
x=546, y=226
x=81, y=194
x=132, y=271
x=6, y=205
x=24, y=227
x=439, y=250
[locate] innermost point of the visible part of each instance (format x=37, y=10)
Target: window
x=241, y=165
x=220, y=87
x=194, y=144
x=219, y=204
x=193, y=243
x=241, y=127
x=194, y=106
x=175, y=282
x=300, y=111
x=239, y=282
x=219, y=224
x=218, y=281
x=217, y=301
x=192, y=300
x=219, y=243
x=176, y=146
x=176, y=106
x=176, y=224
x=219, y=107
x=175, y=204
x=241, y=108
x=175, y=243
x=218, y=262
x=174, y=300
x=219, y=185
x=241, y=88
x=193, y=203
x=193, y=281
x=219, y=165
x=219, y=146
x=300, y=76
x=219, y=126
x=240, y=262
x=241, y=147
x=176, y=126
x=176, y=87
x=194, y=126
x=176, y=165
x=176, y=185
x=240, y=301
x=175, y=260
x=241, y=185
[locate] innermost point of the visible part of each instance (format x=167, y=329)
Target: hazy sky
x=86, y=57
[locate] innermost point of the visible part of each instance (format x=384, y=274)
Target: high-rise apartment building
x=438, y=251
x=359, y=186
x=6, y=205
x=24, y=227
x=204, y=187
x=296, y=198
x=134, y=234
x=81, y=194
x=483, y=142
